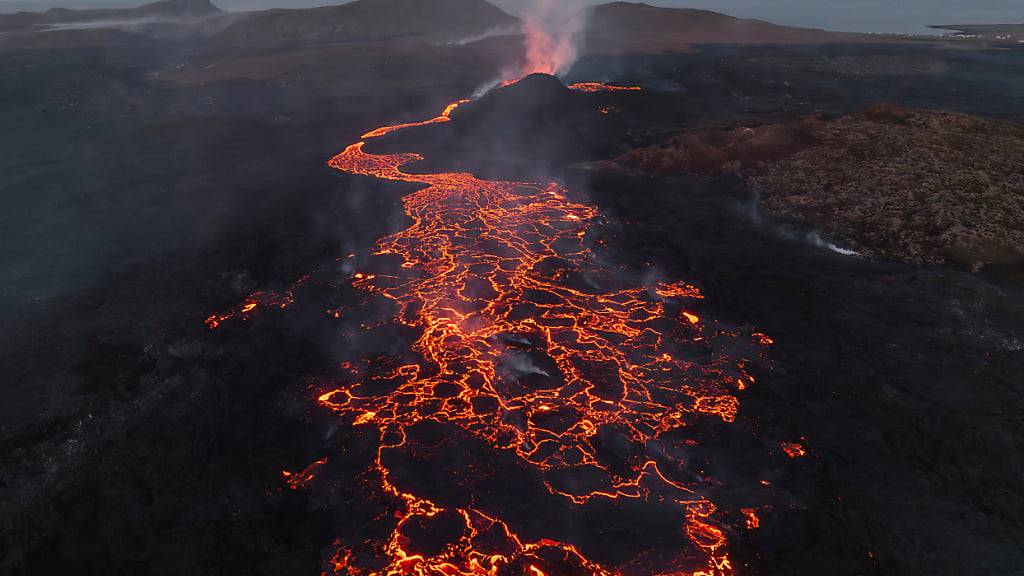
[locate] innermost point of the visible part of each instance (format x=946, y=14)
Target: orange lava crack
x=518, y=349
x=483, y=282
x=599, y=87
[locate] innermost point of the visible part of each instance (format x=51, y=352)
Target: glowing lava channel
x=483, y=280
x=592, y=87
x=518, y=348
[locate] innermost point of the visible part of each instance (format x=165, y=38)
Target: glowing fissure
x=445, y=116
x=519, y=349
x=599, y=87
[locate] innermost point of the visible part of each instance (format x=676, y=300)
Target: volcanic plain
x=185, y=278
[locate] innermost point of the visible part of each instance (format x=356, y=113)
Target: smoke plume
x=553, y=29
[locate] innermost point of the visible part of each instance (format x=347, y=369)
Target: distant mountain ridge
x=618, y=27
x=636, y=27
x=163, y=9
x=199, y=8
x=372, y=20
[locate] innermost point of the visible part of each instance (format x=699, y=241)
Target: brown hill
x=164, y=9
x=178, y=8
x=913, y=185
x=622, y=27
x=372, y=20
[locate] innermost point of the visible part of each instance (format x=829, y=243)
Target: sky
x=849, y=15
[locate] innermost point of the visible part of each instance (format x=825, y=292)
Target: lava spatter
x=527, y=343
x=255, y=302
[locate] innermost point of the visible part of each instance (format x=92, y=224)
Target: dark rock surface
x=913, y=185
x=524, y=131
x=134, y=441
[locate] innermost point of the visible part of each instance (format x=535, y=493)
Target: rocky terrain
x=914, y=185
x=626, y=27
x=861, y=66
x=158, y=174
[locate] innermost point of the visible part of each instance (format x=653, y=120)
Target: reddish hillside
x=914, y=185
x=627, y=27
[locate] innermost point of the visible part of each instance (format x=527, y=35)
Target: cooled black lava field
x=241, y=338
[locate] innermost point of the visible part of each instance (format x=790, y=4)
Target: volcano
x=530, y=127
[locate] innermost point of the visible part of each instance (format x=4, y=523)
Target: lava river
x=529, y=344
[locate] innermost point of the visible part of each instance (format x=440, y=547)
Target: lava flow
x=526, y=342
x=445, y=116
x=599, y=87
x=519, y=349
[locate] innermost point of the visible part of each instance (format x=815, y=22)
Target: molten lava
x=526, y=342
x=444, y=117
x=257, y=301
x=599, y=87
x=793, y=449
x=487, y=281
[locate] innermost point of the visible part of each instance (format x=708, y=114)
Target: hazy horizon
x=910, y=16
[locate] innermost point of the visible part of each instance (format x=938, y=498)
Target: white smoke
x=816, y=239
x=553, y=30
x=505, y=30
